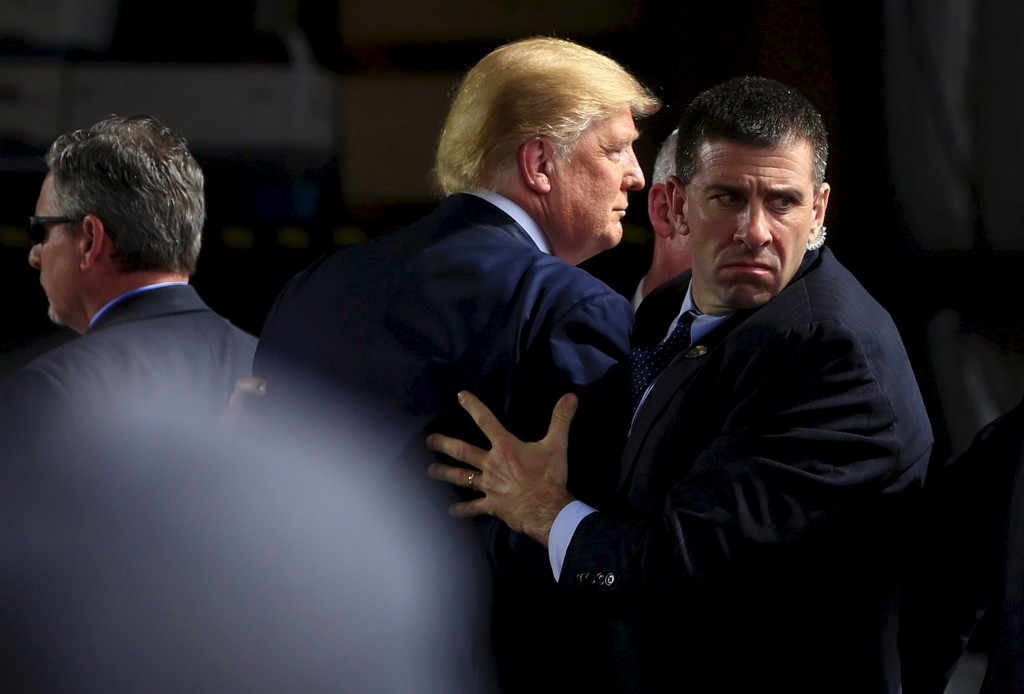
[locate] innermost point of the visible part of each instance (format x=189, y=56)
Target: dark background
x=273, y=209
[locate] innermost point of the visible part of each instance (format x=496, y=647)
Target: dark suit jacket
x=969, y=562
x=754, y=545
x=162, y=347
x=462, y=299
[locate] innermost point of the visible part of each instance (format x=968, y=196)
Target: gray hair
x=141, y=180
x=665, y=162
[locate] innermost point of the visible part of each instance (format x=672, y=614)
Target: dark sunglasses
x=37, y=226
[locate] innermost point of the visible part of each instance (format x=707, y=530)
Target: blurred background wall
x=315, y=123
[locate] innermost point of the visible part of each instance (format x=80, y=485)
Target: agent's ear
x=94, y=243
x=658, y=210
x=821, y=204
x=676, y=193
x=536, y=161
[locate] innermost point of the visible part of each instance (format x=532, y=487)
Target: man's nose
x=33, y=256
x=634, y=178
x=754, y=230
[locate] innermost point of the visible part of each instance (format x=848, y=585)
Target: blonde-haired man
x=537, y=160
x=548, y=124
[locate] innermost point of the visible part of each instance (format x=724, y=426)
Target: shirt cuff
x=562, y=530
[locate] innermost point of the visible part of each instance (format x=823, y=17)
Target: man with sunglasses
x=115, y=237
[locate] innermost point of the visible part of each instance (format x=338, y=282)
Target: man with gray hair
x=671, y=253
x=116, y=237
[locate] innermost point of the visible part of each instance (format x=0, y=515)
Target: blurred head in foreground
x=194, y=556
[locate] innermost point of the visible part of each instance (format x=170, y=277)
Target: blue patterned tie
x=645, y=363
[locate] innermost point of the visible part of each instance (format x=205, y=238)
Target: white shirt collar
x=517, y=213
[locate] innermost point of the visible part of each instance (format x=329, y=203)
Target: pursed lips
x=748, y=266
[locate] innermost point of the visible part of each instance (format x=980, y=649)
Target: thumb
x=561, y=419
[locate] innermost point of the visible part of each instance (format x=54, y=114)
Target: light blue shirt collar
x=702, y=324
x=521, y=217
x=137, y=290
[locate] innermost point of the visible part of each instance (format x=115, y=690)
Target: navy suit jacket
x=461, y=299
x=754, y=546
x=161, y=347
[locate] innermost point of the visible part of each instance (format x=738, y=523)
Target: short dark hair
x=754, y=111
x=140, y=178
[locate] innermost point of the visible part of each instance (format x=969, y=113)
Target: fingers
x=469, y=509
x=483, y=417
x=245, y=387
x=248, y=386
x=252, y=385
x=561, y=418
x=459, y=476
x=456, y=449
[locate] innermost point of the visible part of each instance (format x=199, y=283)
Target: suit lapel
x=674, y=378
x=655, y=314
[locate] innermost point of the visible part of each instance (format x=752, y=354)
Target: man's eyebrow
x=715, y=186
x=794, y=192
x=771, y=191
x=628, y=138
x=620, y=143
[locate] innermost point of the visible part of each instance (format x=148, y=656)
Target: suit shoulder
x=829, y=293
x=223, y=327
x=505, y=262
x=827, y=316
x=571, y=291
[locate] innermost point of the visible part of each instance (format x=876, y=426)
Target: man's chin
x=746, y=298
x=609, y=236
x=601, y=244
x=55, y=317
x=612, y=237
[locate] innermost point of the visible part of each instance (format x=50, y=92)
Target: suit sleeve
x=797, y=442
x=579, y=350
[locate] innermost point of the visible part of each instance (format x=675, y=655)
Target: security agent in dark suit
x=754, y=544
x=537, y=160
x=969, y=564
x=116, y=236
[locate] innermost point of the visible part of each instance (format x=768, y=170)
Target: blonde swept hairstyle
x=539, y=86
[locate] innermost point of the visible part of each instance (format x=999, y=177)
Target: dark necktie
x=645, y=363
